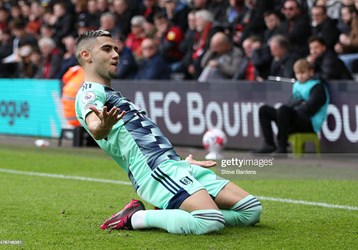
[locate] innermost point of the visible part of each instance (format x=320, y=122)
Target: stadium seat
x=298, y=141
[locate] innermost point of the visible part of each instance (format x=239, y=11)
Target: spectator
x=326, y=63
x=149, y=27
x=26, y=68
x=253, y=22
x=153, y=66
x=80, y=7
x=296, y=27
x=35, y=19
x=218, y=8
x=151, y=9
x=102, y=6
x=222, y=60
x=6, y=49
x=69, y=58
x=93, y=16
x=83, y=26
x=200, y=4
x=345, y=17
x=46, y=30
x=305, y=112
x=323, y=26
x=135, y=7
x=177, y=13
x=333, y=7
x=137, y=35
x=25, y=8
x=272, y=22
x=205, y=30
x=246, y=69
x=282, y=58
x=347, y=47
x=63, y=23
x=127, y=67
x=21, y=37
x=123, y=16
x=235, y=14
x=186, y=48
x=108, y=22
x=4, y=18
x=50, y=60
x=16, y=14
x=169, y=37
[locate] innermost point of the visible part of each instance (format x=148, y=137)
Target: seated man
x=305, y=112
x=153, y=66
x=222, y=59
x=326, y=63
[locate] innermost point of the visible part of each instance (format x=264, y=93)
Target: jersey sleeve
x=89, y=95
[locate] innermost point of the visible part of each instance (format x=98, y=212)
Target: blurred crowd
x=184, y=39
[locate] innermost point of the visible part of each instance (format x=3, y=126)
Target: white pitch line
x=61, y=176
x=80, y=178
x=308, y=203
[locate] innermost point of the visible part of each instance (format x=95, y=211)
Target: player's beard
x=113, y=75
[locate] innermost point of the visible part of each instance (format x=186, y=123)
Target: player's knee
x=207, y=221
x=252, y=215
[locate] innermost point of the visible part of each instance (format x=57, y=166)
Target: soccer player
x=192, y=199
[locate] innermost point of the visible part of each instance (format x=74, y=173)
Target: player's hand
x=108, y=118
x=204, y=164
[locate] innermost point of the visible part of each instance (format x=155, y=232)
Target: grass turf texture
x=48, y=213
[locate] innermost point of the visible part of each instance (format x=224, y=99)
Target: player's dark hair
x=87, y=36
x=92, y=34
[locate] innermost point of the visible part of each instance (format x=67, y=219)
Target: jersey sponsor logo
x=88, y=97
x=186, y=180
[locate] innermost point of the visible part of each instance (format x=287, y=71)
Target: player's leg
x=198, y=214
x=238, y=206
x=187, y=206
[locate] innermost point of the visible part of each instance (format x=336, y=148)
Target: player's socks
x=246, y=212
x=179, y=221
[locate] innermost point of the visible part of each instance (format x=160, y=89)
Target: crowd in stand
x=186, y=39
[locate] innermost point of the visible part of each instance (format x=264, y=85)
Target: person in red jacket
x=169, y=37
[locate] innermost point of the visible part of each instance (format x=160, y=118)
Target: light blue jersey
x=157, y=173
x=135, y=142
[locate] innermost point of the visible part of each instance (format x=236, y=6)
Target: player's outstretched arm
x=204, y=164
x=100, y=123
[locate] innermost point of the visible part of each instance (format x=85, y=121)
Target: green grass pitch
x=54, y=213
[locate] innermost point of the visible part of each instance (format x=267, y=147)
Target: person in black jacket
x=127, y=67
x=305, y=112
x=327, y=64
x=282, y=58
x=296, y=27
x=323, y=26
